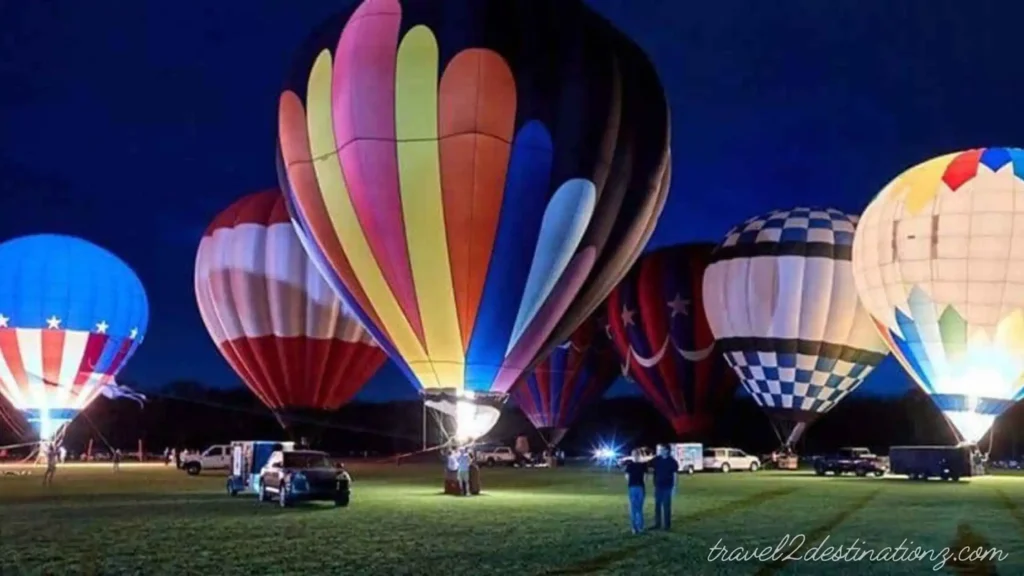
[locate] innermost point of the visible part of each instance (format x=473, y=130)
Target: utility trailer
x=924, y=462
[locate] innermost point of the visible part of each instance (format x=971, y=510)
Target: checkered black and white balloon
x=781, y=299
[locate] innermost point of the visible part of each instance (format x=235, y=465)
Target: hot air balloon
x=276, y=321
x=658, y=322
x=71, y=315
x=938, y=264
x=781, y=301
x=576, y=373
x=474, y=177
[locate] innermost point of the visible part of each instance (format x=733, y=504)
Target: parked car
x=729, y=459
x=302, y=475
x=859, y=461
x=217, y=457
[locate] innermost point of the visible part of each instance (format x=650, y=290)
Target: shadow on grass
x=602, y=562
x=1012, y=508
x=159, y=506
x=739, y=504
x=442, y=493
x=895, y=479
x=819, y=532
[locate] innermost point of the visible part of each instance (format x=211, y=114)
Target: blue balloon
x=71, y=315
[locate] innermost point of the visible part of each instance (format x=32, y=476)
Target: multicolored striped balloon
x=71, y=315
x=273, y=317
x=939, y=264
x=575, y=374
x=659, y=325
x=474, y=176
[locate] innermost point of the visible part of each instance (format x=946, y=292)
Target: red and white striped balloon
x=277, y=322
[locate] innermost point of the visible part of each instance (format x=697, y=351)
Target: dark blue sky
x=133, y=123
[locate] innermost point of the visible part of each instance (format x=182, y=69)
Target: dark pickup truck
x=924, y=462
x=859, y=461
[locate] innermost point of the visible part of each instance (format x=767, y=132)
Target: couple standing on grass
x=664, y=469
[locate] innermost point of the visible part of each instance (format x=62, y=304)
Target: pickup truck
x=217, y=457
x=859, y=461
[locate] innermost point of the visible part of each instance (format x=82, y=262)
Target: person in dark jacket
x=665, y=468
x=635, y=472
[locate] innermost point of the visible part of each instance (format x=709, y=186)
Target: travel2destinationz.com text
x=797, y=549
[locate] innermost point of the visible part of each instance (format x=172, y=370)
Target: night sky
x=132, y=124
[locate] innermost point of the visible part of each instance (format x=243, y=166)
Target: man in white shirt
x=463, y=460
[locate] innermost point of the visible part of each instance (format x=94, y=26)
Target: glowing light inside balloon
x=986, y=382
x=474, y=415
x=938, y=258
x=473, y=420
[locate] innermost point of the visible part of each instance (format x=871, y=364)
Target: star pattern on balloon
x=53, y=322
x=679, y=305
x=3, y=321
x=627, y=317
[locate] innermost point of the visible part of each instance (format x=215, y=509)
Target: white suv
x=729, y=459
x=498, y=455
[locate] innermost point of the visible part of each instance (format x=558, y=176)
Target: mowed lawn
x=154, y=520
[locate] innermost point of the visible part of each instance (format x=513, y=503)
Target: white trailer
x=690, y=456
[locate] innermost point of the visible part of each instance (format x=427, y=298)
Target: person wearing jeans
x=635, y=471
x=664, y=468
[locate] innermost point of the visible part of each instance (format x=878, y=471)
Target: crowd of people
x=663, y=469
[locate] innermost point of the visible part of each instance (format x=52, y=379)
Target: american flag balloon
x=71, y=315
x=658, y=322
x=276, y=321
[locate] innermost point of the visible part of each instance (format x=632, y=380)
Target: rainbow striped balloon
x=473, y=217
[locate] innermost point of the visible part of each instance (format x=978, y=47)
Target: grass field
x=153, y=520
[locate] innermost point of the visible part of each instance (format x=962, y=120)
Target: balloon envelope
x=575, y=374
x=273, y=317
x=939, y=263
x=781, y=299
x=659, y=325
x=474, y=175
x=71, y=315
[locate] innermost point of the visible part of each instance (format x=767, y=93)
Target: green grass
x=148, y=520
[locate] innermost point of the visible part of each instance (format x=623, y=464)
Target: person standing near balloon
x=51, y=463
x=463, y=463
x=664, y=469
x=636, y=472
